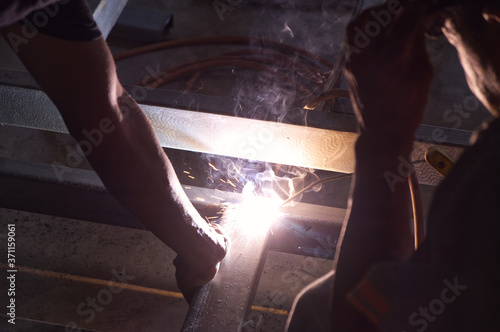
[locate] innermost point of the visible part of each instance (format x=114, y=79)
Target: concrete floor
x=63, y=263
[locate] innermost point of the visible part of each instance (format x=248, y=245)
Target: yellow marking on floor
x=270, y=310
x=94, y=281
x=107, y=283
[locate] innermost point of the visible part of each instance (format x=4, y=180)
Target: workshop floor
x=64, y=264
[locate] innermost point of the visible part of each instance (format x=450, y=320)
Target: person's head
x=473, y=27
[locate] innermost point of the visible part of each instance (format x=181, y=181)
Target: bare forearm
x=134, y=168
x=80, y=78
x=377, y=228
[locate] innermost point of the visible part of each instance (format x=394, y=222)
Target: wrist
x=380, y=154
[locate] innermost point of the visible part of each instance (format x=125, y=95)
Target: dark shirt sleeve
x=452, y=282
x=66, y=19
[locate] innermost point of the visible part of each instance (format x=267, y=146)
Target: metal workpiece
x=224, y=303
x=79, y=194
x=324, y=149
x=305, y=229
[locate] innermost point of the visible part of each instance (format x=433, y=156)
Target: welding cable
x=312, y=73
x=309, y=72
x=165, y=76
x=273, y=59
x=337, y=73
x=315, y=183
x=416, y=199
x=193, y=80
x=203, y=65
x=253, y=41
x=418, y=214
x=335, y=93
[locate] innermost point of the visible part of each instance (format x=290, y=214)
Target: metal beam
x=330, y=150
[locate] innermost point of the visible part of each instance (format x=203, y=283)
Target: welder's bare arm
x=389, y=82
x=81, y=80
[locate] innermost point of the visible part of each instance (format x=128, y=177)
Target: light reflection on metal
x=226, y=299
x=230, y=136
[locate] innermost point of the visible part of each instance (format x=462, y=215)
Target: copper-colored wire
x=207, y=64
x=418, y=214
x=336, y=93
x=252, y=41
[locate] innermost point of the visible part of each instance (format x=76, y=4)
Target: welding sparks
x=256, y=214
x=215, y=168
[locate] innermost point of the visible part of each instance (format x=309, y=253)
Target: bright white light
x=256, y=214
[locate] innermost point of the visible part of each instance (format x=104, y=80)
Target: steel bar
x=281, y=143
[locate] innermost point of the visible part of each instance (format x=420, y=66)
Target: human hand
x=389, y=79
x=194, y=272
x=479, y=56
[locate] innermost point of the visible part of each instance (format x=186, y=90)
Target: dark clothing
x=66, y=19
x=452, y=282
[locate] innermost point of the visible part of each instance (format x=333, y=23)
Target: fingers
x=492, y=14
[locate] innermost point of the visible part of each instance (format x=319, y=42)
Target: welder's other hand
x=195, y=271
x=388, y=71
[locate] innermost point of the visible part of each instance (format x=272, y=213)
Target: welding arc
x=253, y=41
